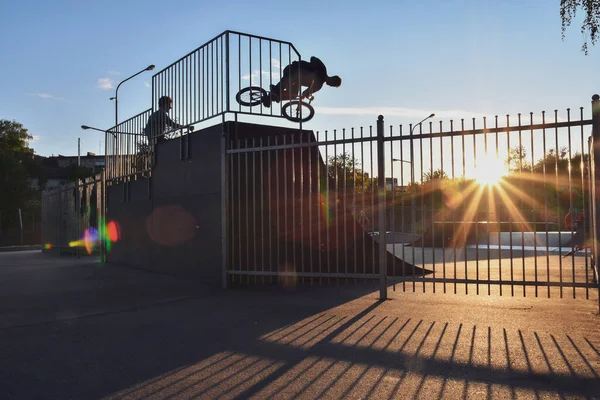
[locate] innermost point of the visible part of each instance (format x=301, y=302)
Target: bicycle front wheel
x=250, y=96
x=298, y=111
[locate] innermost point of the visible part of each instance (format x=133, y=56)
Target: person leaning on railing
x=159, y=121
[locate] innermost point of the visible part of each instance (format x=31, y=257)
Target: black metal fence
x=128, y=151
x=203, y=84
x=72, y=216
x=504, y=207
x=475, y=205
x=506, y=203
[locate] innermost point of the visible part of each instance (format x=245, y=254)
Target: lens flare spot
x=48, y=246
x=288, y=280
x=113, y=231
x=76, y=243
x=171, y=225
x=92, y=238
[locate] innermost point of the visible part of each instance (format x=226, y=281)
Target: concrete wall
x=171, y=222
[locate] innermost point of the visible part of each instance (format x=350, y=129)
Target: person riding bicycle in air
x=311, y=74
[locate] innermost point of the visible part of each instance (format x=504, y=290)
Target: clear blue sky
x=403, y=59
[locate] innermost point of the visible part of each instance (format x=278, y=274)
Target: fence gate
x=501, y=206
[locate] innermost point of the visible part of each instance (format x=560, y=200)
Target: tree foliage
x=346, y=173
x=591, y=20
x=16, y=165
x=438, y=174
x=517, y=159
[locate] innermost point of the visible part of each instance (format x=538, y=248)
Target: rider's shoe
x=266, y=101
x=274, y=93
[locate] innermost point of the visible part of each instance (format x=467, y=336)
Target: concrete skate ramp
x=529, y=239
x=284, y=219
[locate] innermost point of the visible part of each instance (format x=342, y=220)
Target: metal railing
x=203, y=84
x=128, y=150
x=478, y=208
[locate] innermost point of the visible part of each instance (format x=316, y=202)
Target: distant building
x=391, y=183
x=91, y=161
x=58, y=170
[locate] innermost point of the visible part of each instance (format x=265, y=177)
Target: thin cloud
x=265, y=74
x=35, y=138
x=146, y=84
x=105, y=83
x=417, y=114
x=44, y=96
x=274, y=72
x=401, y=112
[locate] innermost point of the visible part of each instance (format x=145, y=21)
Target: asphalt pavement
x=75, y=329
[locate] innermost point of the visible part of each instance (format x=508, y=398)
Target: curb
x=20, y=248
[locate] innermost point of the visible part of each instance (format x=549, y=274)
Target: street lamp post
x=411, y=163
x=85, y=127
x=412, y=167
x=116, y=99
x=412, y=147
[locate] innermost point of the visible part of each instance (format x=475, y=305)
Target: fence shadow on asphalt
x=371, y=355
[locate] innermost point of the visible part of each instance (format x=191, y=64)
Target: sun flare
x=490, y=170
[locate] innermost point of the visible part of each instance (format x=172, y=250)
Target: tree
x=16, y=159
x=554, y=160
x=79, y=172
x=438, y=174
x=345, y=172
x=517, y=159
x=591, y=8
x=14, y=137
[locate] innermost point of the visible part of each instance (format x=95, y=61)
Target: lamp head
x=150, y=67
x=85, y=127
x=431, y=115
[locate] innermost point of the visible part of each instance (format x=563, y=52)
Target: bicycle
x=292, y=110
x=178, y=132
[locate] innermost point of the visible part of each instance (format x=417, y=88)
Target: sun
x=490, y=170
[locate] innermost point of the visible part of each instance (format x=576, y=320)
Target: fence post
x=381, y=211
x=77, y=215
x=101, y=215
x=595, y=176
x=42, y=235
x=58, y=220
x=224, y=205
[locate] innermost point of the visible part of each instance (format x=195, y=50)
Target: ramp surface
x=286, y=215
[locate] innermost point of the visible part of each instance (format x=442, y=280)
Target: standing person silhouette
x=159, y=121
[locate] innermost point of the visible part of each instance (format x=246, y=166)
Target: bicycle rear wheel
x=250, y=96
x=298, y=111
